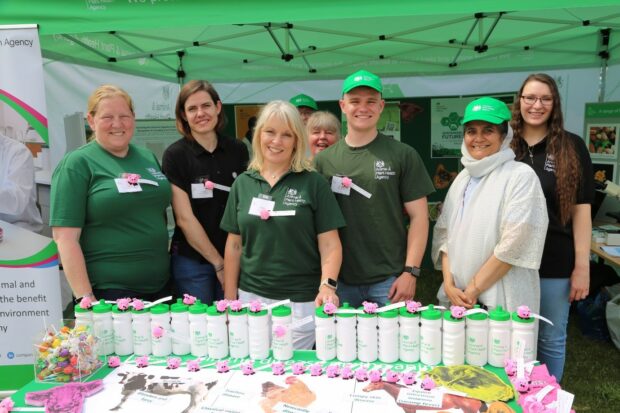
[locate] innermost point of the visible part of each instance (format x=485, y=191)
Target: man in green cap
x=375, y=177
x=305, y=105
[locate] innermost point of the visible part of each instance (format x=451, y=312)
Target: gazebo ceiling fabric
x=276, y=40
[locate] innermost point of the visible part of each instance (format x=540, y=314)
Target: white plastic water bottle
x=217, y=333
x=430, y=336
x=476, y=338
x=103, y=328
x=388, y=336
x=346, y=335
x=367, y=337
x=161, y=344
x=83, y=317
x=259, y=334
x=281, y=338
x=523, y=337
x=409, y=336
x=141, y=332
x=198, y=329
x=179, y=328
x=123, y=340
x=499, y=336
x=453, y=347
x=325, y=333
x=238, y=339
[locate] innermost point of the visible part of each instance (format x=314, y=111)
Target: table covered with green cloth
x=464, y=377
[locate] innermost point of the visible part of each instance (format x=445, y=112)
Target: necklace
x=529, y=149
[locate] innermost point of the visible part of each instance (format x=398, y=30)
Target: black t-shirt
x=185, y=163
x=558, y=260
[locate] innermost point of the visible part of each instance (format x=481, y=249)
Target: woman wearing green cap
x=488, y=240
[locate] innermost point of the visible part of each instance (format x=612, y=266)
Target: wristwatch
x=415, y=271
x=330, y=283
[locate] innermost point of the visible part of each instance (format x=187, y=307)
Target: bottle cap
x=447, y=316
x=78, y=309
x=477, y=316
x=237, y=313
x=102, y=307
x=515, y=317
x=179, y=307
x=345, y=306
x=198, y=308
x=212, y=312
x=160, y=309
x=389, y=314
x=431, y=313
x=281, y=311
x=499, y=314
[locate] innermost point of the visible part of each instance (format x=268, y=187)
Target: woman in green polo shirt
x=108, y=208
x=282, y=222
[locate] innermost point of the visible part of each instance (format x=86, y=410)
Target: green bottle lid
x=160, y=309
x=431, y=313
x=477, y=316
x=345, y=306
x=499, y=314
x=281, y=311
x=102, y=307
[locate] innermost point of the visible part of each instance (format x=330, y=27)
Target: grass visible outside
x=592, y=370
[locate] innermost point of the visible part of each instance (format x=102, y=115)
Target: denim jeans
x=195, y=278
x=355, y=295
x=554, y=305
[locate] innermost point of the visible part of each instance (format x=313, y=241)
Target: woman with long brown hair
x=201, y=167
x=563, y=165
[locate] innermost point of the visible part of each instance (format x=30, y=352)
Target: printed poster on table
x=23, y=115
x=446, y=128
x=602, y=125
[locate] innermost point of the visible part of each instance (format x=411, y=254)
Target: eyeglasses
x=531, y=100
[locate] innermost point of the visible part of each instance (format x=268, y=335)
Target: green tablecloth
x=300, y=355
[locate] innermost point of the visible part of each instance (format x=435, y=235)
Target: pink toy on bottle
x=235, y=305
x=137, y=304
x=188, y=299
x=86, y=303
x=523, y=311
x=330, y=308
x=6, y=405
x=370, y=308
x=221, y=305
x=457, y=312
x=255, y=306
x=413, y=306
x=123, y=303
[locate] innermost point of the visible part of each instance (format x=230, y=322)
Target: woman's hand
x=456, y=295
x=579, y=283
x=326, y=295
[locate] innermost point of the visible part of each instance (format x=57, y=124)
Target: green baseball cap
x=362, y=78
x=304, y=100
x=487, y=109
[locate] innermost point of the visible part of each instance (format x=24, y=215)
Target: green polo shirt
x=374, y=242
x=280, y=255
x=124, y=237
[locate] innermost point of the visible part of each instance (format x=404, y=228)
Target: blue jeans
x=554, y=305
x=356, y=294
x=195, y=278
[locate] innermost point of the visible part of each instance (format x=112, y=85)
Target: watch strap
x=415, y=271
x=330, y=283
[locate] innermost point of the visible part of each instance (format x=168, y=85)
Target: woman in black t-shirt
x=201, y=167
x=563, y=165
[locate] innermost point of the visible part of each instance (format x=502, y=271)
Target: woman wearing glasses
x=563, y=165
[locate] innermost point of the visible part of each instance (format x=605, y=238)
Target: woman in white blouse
x=489, y=239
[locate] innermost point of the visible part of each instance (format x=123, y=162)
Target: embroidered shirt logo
x=157, y=174
x=383, y=171
x=293, y=198
x=549, y=163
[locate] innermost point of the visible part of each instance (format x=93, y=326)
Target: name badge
x=124, y=187
x=200, y=192
x=343, y=185
x=259, y=204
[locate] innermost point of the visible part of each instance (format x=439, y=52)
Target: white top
x=18, y=199
x=505, y=215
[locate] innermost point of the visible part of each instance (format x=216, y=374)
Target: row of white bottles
x=430, y=337
x=179, y=329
